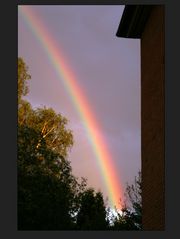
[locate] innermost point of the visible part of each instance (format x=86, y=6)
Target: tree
x=23, y=76
x=134, y=194
x=48, y=193
x=47, y=190
x=51, y=126
x=130, y=217
x=53, y=130
x=92, y=212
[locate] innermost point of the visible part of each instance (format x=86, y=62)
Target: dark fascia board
x=133, y=20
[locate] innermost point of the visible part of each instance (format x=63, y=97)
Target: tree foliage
x=131, y=216
x=92, y=211
x=51, y=127
x=23, y=76
x=47, y=190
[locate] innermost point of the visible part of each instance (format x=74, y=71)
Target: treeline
x=50, y=197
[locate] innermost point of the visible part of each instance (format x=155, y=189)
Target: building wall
x=152, y=121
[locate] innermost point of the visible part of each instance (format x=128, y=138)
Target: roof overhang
x=133, y=20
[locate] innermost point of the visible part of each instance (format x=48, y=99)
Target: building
x=147, y=23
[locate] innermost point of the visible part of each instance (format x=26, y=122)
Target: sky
x=106, y=68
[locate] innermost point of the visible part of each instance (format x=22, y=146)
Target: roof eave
x=133, y=21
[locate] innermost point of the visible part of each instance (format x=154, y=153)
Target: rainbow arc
x=80, y=102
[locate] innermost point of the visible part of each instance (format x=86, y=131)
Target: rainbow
x=103, y=156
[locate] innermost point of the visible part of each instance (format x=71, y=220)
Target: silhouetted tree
x=47, y=190
x=92, y=212
x=131, y=216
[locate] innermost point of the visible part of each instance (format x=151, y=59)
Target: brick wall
x=152, y=120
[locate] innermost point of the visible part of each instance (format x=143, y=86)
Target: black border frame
x=8, y=118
